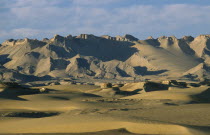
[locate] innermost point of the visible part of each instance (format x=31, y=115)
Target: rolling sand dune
x=75, y=109
x=187, y=94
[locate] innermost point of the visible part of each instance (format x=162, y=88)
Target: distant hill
x=105, y=57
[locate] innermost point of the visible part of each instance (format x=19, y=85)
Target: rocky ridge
x=105, y=57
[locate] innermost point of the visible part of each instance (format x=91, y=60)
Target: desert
x=106, y=109
x=48, y=91
x=104, y=67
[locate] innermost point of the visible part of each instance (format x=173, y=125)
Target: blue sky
x=141, y=18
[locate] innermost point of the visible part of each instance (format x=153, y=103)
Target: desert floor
x=90, y=110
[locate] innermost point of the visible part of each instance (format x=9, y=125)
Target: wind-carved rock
x=86, y=36
x=108, y=37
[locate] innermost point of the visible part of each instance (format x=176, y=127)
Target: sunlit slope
x=172, y=58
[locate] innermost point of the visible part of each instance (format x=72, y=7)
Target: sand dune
x=182, y=94
x=84, y=127
x=66, y=110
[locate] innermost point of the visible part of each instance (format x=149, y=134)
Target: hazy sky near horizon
x=141, y=18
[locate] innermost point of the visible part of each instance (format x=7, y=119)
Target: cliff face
x=120, y=57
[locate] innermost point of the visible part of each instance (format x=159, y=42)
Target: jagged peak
x=170, y=38
x=203, y=37
x=57, y=38
x=119, y=38
x=13, y=42
x=45, y=39
x=105, y=36
x=150, y=37
x=173, y=37
x=188, y=38
x=26, y=39
x=126, y=37
x=69, y=36
x=165, y=37
x=130, y=37
x=86, y=36
x=10, y=42
x=108, y=37
x=162, y=37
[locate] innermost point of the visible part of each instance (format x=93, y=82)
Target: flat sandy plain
x=90, y=110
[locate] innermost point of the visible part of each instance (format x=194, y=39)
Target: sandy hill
x=105, y=57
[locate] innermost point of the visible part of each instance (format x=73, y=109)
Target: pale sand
x=160, y=112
